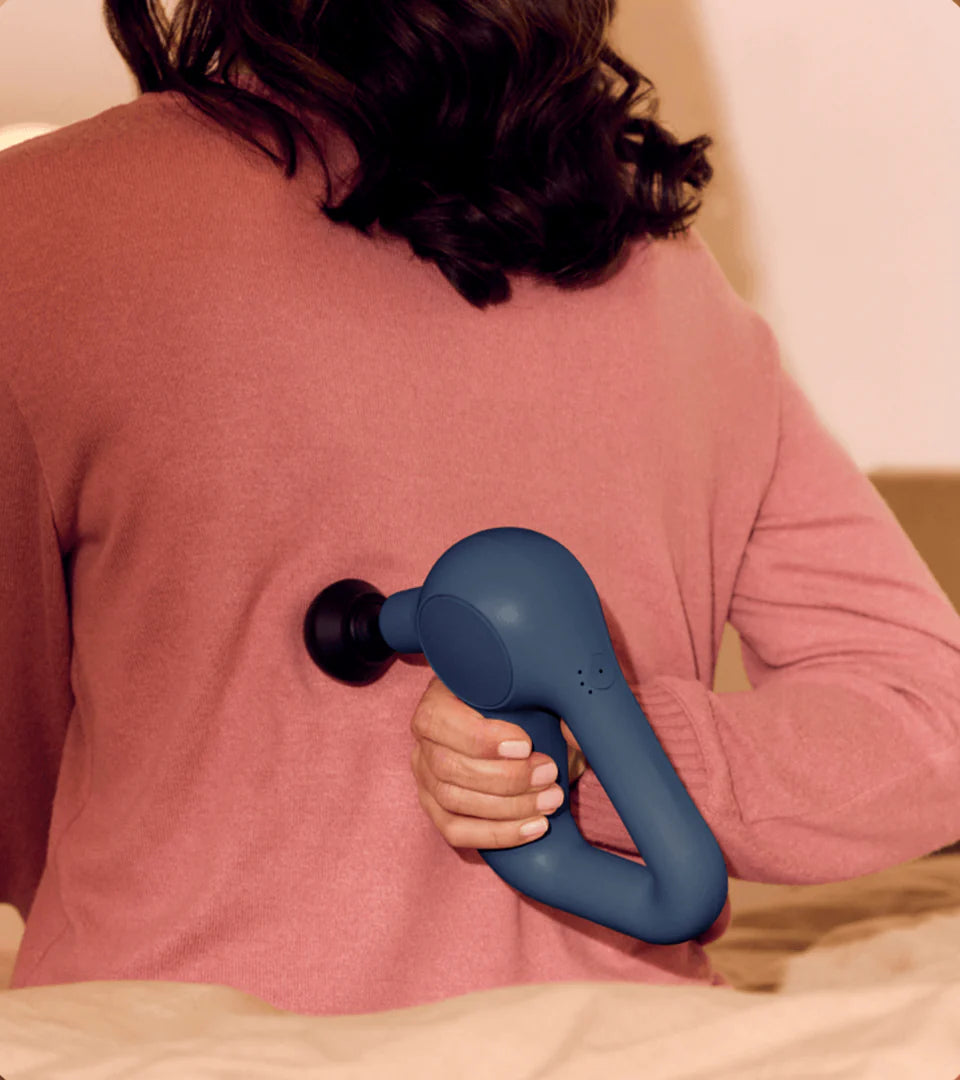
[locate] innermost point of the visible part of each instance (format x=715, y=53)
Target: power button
x=602, y=668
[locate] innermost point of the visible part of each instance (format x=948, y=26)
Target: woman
x=216, y=400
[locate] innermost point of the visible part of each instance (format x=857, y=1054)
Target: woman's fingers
x=495, y=822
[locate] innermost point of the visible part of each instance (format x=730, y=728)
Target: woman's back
x=215, y=402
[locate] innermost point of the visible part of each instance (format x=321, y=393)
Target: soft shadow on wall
x=665, y=42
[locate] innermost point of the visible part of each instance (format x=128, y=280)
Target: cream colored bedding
x=858, y=980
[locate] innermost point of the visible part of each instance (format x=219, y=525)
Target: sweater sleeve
x=36, y=699
x=844, y=758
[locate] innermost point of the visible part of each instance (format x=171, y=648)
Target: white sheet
x=864, y=981
x=167, y=1031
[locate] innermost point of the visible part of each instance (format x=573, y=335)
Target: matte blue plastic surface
x=512, y=625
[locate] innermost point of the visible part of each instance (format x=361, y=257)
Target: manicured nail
x=515, y=749
x=534, y=827
x=544, y=774
x=549, y=799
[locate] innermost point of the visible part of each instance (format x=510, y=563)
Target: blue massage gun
x=511, y=623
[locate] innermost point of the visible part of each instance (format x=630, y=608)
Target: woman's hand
x=475, y=795
x=478, y=798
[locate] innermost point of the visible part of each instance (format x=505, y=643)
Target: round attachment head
x=342, y=634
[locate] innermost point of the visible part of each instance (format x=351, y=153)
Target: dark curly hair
x=487, y=132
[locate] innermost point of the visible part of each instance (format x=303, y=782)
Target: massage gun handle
x=661, y=904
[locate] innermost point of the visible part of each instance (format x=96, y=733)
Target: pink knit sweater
x=213, y=403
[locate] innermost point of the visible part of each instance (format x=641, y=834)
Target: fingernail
x=544, y=774
x=515, y=749
x=549, y=799
x=533, y=827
